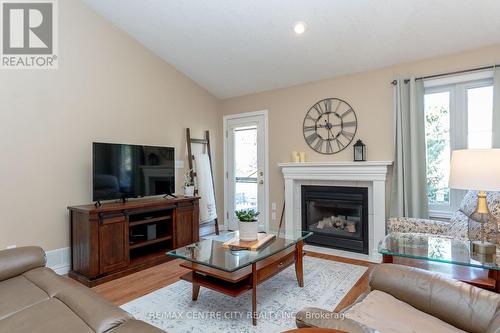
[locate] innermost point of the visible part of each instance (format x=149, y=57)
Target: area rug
x=326, y=283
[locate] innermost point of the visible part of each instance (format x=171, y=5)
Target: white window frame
x=457, y=87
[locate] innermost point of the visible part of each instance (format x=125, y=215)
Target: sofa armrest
x=315, y=317
x=416, y=225
x=136, y=326
x=14, y=262
x=462, y=305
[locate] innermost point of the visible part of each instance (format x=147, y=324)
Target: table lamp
x=477, y=169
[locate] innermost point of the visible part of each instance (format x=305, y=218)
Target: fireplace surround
x=369, y=174
x=337, y=216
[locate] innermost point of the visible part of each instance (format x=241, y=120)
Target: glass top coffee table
x=215, y=266
x=441, y=249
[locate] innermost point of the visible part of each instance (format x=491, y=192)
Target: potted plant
x=248, y=224
x=188, y=184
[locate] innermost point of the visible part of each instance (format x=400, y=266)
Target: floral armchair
x=457, y=227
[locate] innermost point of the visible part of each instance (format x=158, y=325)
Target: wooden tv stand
x=116, y=239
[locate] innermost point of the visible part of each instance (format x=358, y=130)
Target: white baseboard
x=59, y=260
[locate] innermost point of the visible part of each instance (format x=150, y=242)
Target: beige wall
x=369, y=93
x=108, y=87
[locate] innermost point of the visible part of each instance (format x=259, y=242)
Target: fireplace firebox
x=337, y=216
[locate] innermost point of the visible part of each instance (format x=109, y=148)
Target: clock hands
x=331, y=133
x=329, y=127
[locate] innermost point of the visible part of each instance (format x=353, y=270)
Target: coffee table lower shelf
x=210, y=282
x=245, y=279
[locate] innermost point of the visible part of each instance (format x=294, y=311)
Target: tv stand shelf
x=110, y=241
x=149, y=242
x=149, y=221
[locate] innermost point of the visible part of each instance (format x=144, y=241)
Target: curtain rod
x=449, y=73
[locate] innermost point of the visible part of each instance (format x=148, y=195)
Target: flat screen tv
x=123, y=171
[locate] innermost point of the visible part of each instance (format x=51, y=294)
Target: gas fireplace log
x=336, y=222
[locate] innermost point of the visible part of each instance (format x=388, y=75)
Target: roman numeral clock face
x=330, y=126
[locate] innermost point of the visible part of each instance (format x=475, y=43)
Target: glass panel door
x=245, y=165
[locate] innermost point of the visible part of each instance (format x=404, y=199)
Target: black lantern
x=359, y=151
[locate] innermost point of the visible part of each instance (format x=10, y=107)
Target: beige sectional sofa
x=405, y=299
x=34, y=299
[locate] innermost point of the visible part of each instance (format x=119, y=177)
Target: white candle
x=295, y=157
x=302, y=157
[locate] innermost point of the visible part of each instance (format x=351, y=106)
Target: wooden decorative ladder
x=212, y=226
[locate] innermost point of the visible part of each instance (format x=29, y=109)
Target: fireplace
x=337, y=216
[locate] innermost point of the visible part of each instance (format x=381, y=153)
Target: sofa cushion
x=387, y=314
x=51, y=283
x=49, y=316
x=469, y=203
x=462, y=305
x=17, y=294
x=459, y=226
x=315, y=317
x=98, y=313
x=459, y=223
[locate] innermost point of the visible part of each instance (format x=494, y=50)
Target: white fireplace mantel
x=370, y=174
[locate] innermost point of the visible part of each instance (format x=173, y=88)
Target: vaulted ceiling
x=237, y=47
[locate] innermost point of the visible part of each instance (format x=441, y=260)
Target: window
x=480, y=117
x=458, y=115
x=437, y=139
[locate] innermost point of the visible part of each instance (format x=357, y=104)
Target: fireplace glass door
x=338, y=216
x=335, y=217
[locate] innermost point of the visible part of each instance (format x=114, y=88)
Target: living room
x=263, y=166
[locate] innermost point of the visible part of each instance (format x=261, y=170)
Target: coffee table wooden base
x=247, y=278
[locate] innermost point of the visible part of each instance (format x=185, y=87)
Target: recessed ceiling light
x=299, y=27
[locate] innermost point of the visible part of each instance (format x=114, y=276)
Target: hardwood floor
x=127, y=288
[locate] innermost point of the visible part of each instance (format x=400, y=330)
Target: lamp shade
x=475, y=169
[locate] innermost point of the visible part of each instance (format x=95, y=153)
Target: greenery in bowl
x=188, y=180
x=247, y=215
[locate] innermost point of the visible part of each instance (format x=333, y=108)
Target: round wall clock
x=330, y=126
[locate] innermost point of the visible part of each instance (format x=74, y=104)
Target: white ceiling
x=237, y=47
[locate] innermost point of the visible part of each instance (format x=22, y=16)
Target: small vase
x=189, y=191
x=249, y=230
